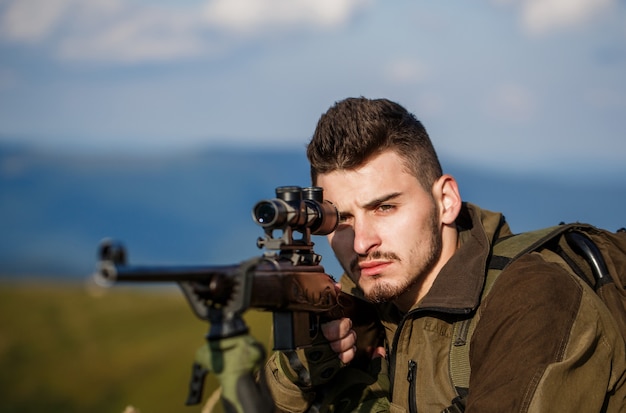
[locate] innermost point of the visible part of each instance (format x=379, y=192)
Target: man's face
x=389, y=235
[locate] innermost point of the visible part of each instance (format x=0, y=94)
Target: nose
x=366, y=237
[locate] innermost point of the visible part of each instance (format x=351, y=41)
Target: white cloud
x=246, y=16
x=135, y=36
x=540, y=16
x=118, y=31
x=105, y=30
x=32, y=20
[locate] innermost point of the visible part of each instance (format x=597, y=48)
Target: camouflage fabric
x=235, y=361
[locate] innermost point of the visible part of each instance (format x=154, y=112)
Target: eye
x=385, y=208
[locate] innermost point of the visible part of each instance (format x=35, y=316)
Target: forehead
x=382, y=174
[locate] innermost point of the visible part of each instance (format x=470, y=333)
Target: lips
x=372, y=268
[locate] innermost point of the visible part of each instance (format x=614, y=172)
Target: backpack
x=597, y=256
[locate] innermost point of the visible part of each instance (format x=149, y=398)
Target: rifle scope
x=298, y=208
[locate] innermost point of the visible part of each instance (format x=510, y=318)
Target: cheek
x=403, y=231
x=416, y=219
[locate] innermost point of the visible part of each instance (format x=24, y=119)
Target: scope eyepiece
x=297, y=208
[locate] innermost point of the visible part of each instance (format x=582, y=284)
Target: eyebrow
x=378, y=201
x=373, y=204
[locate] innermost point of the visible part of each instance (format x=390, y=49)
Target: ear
x=448, y=198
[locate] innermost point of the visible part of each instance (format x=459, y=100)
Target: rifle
x=286, y=279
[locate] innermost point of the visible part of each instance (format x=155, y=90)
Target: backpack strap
x=505, y=251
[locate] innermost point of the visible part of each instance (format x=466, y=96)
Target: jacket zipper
x=394, y=346
x=412, y=386
x=396, y=337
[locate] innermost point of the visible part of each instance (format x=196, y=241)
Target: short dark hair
x=355, y=129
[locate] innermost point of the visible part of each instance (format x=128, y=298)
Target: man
x=407, y=242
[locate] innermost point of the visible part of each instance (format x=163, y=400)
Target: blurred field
x=68, y=348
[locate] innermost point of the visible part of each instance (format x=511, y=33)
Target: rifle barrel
x=125, y=273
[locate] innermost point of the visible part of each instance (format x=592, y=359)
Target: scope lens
x=265, y=213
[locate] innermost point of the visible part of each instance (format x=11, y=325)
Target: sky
x=523, y=85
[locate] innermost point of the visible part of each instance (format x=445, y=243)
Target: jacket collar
x=458, y=286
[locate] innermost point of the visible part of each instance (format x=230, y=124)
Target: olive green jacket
x=544, y=343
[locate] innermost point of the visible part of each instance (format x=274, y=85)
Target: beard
x=383, y=290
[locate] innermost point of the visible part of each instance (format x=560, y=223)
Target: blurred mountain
x=194, y=208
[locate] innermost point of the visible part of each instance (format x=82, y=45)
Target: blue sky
x=522, y=85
